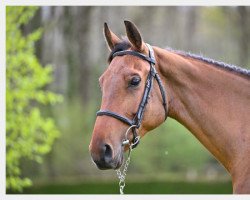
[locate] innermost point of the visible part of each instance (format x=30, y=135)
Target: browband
x=134, y=53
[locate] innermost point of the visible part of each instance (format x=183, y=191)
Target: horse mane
x=228, y=67
x=124, y=45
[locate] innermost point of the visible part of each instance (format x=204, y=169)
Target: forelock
x=123, y=45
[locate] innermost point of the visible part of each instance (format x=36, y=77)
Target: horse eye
x=135, y=81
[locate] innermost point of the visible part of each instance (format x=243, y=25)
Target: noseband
x=135, y=123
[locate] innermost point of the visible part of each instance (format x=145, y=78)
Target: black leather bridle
x=135, y=123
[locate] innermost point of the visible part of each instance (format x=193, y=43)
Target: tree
x=244, y=35
x=29, y=134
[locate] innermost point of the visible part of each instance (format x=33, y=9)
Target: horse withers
x=209, y=98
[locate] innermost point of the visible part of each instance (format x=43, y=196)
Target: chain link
x=122, y=173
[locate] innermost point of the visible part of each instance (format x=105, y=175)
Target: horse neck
x=209, y=101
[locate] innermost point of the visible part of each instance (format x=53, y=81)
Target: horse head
x=123, y=86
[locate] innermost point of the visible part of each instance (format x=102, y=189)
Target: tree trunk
x=244, y=38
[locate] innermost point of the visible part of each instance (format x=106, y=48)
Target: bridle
x=135, y=123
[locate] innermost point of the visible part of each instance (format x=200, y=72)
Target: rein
x=135, y=123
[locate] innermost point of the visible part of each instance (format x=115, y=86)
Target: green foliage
x=135, y=187
x=169, y=148
x=28, y=134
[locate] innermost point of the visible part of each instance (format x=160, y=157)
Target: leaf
x=29, y=134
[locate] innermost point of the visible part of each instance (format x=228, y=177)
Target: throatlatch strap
x=158, y=79
x=163, y=94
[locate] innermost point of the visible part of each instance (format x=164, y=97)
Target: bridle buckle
x=135, y=142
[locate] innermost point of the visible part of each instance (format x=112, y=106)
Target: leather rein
x=135, y=123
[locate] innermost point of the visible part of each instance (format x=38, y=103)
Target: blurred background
x=169, y=159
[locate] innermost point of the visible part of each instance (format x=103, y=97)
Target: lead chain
x=122, y=174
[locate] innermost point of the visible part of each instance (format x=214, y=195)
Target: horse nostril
x=107, y=153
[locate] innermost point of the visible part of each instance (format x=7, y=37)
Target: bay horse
x=210, y=98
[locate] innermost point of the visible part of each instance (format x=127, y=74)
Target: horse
x=210, y=98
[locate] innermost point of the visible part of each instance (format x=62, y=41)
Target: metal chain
x=122, y=174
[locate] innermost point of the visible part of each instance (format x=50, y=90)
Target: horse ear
x=134, y=36
x=110, y=37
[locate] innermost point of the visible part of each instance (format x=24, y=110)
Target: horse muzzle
x=105, y=159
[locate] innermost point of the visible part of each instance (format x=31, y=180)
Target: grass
x=134, y=188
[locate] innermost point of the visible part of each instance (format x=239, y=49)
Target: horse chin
x=118, y=165
x=109, y=166
x=119, y=162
